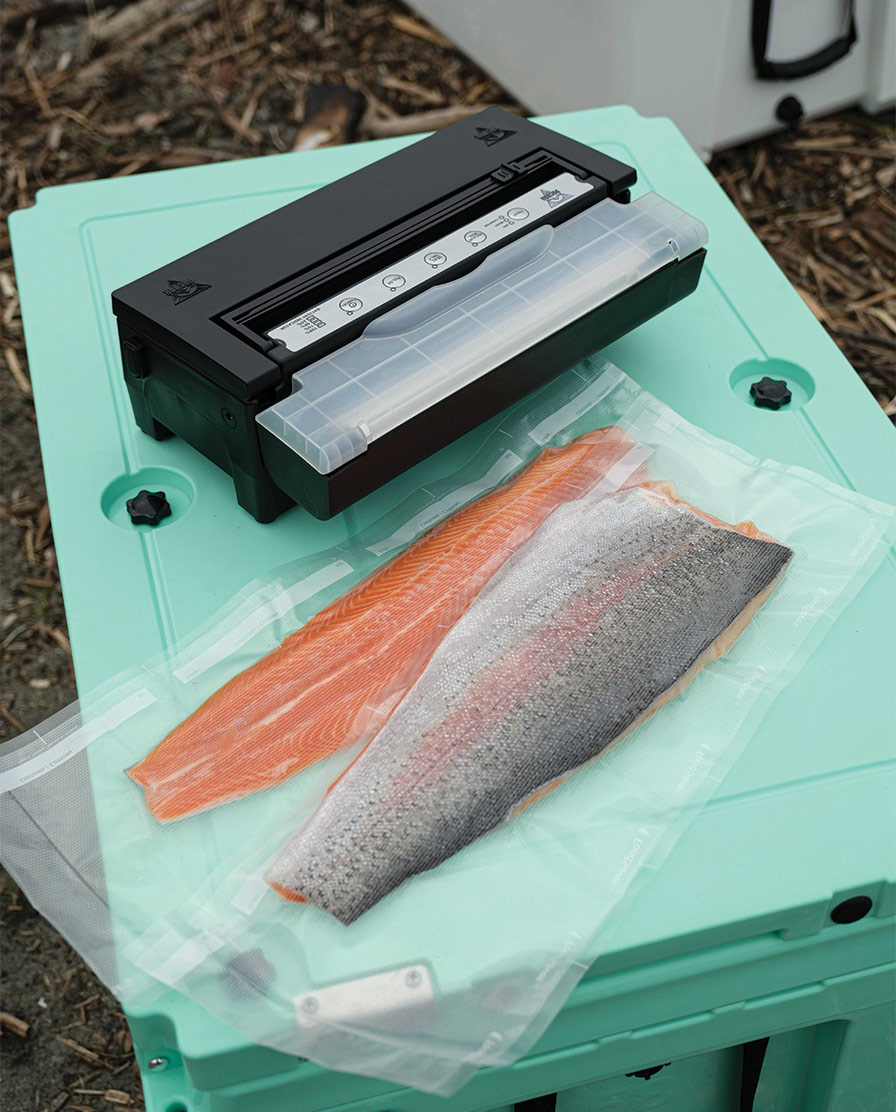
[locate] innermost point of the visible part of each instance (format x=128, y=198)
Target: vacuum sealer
x=323, y=349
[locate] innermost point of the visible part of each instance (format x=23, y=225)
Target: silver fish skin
x=582, y=633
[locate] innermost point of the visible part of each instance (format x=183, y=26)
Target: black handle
x=798, y=67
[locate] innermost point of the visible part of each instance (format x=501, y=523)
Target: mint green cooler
x=756, y=970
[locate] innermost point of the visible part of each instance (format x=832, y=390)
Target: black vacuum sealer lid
x=217, y=309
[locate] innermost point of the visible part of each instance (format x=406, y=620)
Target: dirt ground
x=164, y=83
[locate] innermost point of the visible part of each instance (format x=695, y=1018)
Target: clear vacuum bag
x=379, y=812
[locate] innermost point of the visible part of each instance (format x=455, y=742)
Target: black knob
x=771, y=393
x=148, y=507
x=789, y=110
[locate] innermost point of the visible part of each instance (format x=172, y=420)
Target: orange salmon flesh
x=337, y=679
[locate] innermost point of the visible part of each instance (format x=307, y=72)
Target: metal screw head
x=413, y=978
x=310, y=1005
x=158, y=1063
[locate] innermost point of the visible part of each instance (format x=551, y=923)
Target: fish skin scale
x=499, y=688
x=317, y=691
x=367, y=837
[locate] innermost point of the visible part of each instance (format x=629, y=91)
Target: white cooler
x=705, y=63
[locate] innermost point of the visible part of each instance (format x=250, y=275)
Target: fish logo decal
x=183, y=290
x=554, y=197
x=492, y=135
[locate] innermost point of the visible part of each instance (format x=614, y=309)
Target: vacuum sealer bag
x=418, y=899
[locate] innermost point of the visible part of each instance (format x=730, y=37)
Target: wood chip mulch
x=821, y=199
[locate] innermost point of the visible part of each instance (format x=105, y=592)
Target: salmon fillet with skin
x=336, y=679
x=617, y=603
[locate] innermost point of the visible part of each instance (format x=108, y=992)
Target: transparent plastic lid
x=414, y=356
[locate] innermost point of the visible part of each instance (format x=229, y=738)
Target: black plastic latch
x=647, y=1073
x=148, y=507
x=133, y=357
x=280, y=353
x=770, y=393
x=503, y=173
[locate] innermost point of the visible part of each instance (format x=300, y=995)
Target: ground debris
x=12, y=720
x=56, y=1103
x=821, y=202
x=331, y=117
x=15, y=369
x=14, y=1024
x=81, y=1051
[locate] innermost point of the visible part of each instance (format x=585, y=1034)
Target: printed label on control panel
x=377, y=290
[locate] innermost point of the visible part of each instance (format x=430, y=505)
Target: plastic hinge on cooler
x=448, y=336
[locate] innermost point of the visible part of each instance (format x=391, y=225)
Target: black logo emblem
x=492, y=135
x=183, y=291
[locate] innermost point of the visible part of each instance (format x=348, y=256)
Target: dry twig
x=14, y=1024
x=424, y=121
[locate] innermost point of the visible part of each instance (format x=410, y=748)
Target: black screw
x=851, y=910
x=148, y=507
x=770, y=393
x=228, y=418
x=789, y=110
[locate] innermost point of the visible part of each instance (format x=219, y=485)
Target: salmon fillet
x=337, y=678
x=608, y=612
